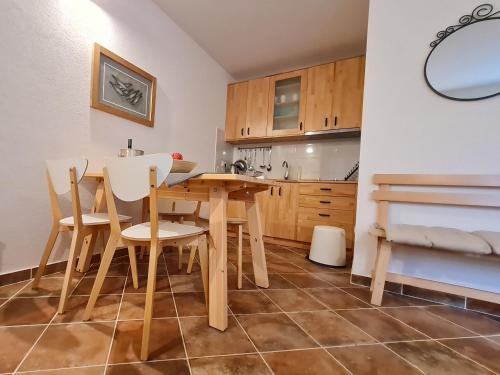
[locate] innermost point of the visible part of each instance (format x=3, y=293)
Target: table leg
x=257, y=244
x=89, y=242
x=217, y=310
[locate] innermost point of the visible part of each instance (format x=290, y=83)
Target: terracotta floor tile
x=372, y=360
x=478, y=349
x=133, y=306
x=433, y=358
x=380, y=326
x=329, y=329
x=307, y=280
x=106, y=308
x=471, y=320
x=299, y=362
x=173, y=367
x=277, y=281
x=250, y=302
x=143, y=268
x=165, y=341
x=70, y=345
x=316, y=268
x=9, y=290
x=389, y=299
x=293, y=300
x=428, y=323
x=246, y=284
x=16, y=341
x=115, y=269
x=283, y=267
x=162, y=284
x=46, y=287
x=275, y=332
x=21, y=311
x=191, y=304
x=186, y=283
x=337, y=299
x=495, y=338
x=94, y=370
x=203, y=340
x=251, y=364
x=111, y=285
x=337, y=279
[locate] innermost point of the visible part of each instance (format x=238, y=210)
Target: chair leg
x=45, y=257
x=380, y=272
x=86, y=256
x=133, y=266
x=109, y=252
x=180, y=257
x=372, y=283
x=240, y=256
x=191, y=259
x=203, y=254
x=148, y=311
x=76, y=244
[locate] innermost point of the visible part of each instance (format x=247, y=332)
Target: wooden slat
x=438, y=180
x=455, y=199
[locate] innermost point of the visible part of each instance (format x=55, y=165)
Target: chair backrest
x=384, y=195
x=129, y=177
x=58, y=171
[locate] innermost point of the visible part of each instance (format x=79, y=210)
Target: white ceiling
x=251, y=38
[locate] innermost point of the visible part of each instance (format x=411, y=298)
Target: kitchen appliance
x=129, y=151
x=239, y=167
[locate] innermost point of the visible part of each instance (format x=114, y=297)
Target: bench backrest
x=384, y=195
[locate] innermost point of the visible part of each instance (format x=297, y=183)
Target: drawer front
x=325, y=216
x=305, y=230
x=327, y=202
x=340, y=190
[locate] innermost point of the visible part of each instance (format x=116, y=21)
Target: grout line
x=16, y=293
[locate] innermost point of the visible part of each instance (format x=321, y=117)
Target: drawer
x=335, y=203
x=341, y=190
x=305, y=230
x=326, y=216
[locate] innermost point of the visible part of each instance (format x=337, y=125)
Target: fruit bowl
x=183, y=166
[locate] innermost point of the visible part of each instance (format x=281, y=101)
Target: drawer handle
x=279, y=191
x=271, y=190
x=324, y=215
x=325, y=189
x=325, y=202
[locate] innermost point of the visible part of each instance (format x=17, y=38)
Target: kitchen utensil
x=251, y=161
x=352, y=171
x=129, y=151
x=263, y=165
x=285, y=165
x=269, y=166
x=239, y=167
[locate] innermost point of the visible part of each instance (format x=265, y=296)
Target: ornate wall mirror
x=464, y=63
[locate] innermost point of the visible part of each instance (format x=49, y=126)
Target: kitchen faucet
x=285, y=165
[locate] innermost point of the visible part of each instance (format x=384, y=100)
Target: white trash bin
x=328, y=246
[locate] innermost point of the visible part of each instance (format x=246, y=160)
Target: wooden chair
x=479, y=243
x=235, y=225
x=132, y=179
x=64, y=176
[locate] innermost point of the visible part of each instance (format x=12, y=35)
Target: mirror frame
x=481, y=13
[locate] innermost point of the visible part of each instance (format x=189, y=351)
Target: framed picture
x=121, y=88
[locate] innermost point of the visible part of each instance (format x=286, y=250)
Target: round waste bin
x=328, y=246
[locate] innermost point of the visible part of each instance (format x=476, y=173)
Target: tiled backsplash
x=328, y=159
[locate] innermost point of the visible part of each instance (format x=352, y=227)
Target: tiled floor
x=310, y=321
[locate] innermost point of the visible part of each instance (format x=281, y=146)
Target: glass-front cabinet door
x=287, y=103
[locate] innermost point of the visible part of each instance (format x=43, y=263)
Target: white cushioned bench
x=480, y=243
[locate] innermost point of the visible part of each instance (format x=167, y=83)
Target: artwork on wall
x=121, y=88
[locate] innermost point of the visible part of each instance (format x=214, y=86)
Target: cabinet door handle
x=241, y=131
x=271, y=190
x=325, y=189
x=326, y=121
x=335, y=120
x=324, y=215
x=279, y=191
x=248, y=131
x=300, y=126
x=325, y=202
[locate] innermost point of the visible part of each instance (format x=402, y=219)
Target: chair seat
x=175, y=213
x=166, y=231
x=100, y=218
x=236, y=220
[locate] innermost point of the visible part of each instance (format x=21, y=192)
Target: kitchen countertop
x=320, y=181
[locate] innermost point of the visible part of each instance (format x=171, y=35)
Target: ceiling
x=252, y=38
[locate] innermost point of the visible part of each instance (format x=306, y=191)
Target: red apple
x=177, y=156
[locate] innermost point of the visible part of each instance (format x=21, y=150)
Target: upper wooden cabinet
x=320, y=81
x=348, y=93
x=236, y=110
x=257, y=107
x=287, y=103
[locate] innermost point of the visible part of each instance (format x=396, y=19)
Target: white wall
x=409, y=129
x=45, y=89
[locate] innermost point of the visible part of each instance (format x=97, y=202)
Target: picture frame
x=121, y=88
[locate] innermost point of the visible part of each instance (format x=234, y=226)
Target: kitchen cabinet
x=287, y=103
x=280, y=210
x=320, y=85
x=257, y=109
x=236, y=110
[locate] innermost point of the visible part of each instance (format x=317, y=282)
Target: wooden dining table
x=217, y=189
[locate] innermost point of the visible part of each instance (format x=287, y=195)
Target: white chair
x=64, y=176
x=132, y=179
x=234, y=224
